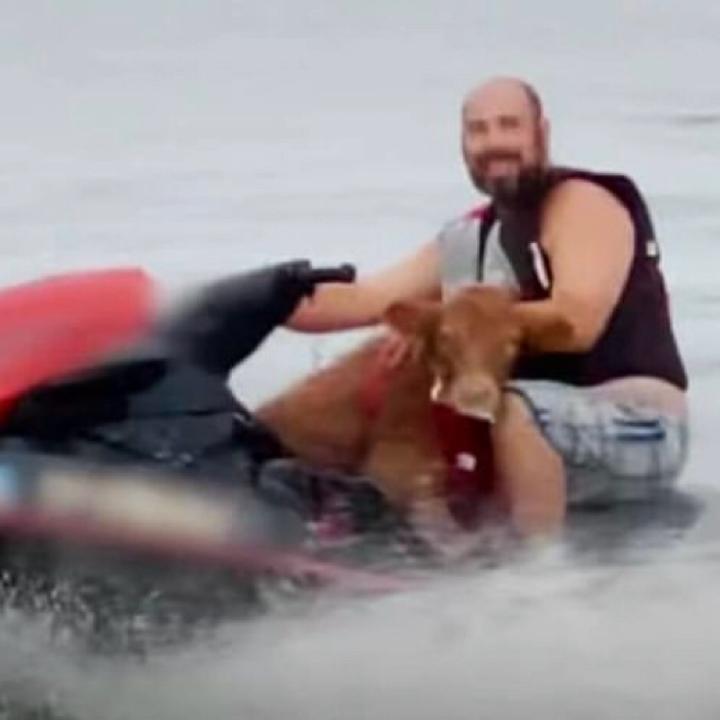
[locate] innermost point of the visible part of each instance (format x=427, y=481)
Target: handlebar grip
x=341, y=274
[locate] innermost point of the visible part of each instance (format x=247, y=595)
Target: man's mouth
x=499, y=167
x=499, y=156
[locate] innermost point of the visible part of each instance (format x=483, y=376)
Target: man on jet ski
x=600, y=415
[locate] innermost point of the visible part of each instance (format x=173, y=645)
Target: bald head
x=506, y=89
x=504, y=136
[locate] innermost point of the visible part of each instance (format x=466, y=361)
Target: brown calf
x=460, y=354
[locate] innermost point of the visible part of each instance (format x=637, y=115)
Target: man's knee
x=516, y=419
x=530, y=471
x=514, y=409
x=518, y=438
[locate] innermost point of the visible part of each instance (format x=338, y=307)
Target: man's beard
x=521, y=189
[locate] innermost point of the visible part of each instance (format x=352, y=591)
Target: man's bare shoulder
x=577, y=195
x=581, y=205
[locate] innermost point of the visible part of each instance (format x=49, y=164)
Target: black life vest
x=638, y=338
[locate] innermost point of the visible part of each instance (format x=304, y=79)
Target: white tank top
x=459, y=244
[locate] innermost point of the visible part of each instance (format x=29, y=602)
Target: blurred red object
x=60, y=324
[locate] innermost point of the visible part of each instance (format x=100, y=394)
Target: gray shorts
x=613, y=452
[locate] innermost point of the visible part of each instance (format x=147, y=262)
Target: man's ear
x=545, y=139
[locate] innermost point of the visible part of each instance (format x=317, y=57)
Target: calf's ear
x=416, y=322
x=412, y=318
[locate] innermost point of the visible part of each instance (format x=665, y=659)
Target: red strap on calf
x=466, y=443
x=374, y=389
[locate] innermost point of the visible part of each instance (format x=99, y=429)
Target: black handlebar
x=299, y=276
x=228, y=320
x=340, y=274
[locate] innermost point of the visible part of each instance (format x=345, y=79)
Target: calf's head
x=468, y=344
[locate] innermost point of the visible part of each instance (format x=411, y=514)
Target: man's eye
x=477, y=127
x=509, y=122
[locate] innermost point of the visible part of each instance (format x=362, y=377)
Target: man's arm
x=588, y=236
x=342, y=307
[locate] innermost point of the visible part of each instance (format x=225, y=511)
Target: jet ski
x=129, y=470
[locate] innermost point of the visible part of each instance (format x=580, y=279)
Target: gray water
x=197, y=138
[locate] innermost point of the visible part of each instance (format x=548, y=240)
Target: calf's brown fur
x=464, y=349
